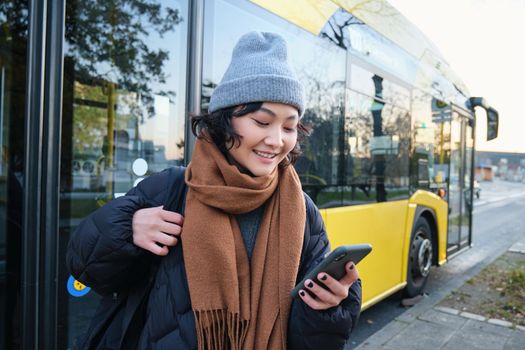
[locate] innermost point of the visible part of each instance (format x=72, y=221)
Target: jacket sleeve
x=101, y=253
x=327, y=329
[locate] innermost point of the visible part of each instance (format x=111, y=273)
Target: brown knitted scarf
x=238, y=305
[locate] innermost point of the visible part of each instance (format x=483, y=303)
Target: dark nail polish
x=323, y=278
x=352, y=267
x=310, y=284
x=302, y=293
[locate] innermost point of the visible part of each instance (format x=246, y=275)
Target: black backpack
x=119, y=319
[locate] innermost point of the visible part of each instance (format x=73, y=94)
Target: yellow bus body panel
x=388, y=228
x=383, y=226
x=440, y=207
x=310, y=15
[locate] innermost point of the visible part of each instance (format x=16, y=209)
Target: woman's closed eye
x=260, y=122
x=287, y=129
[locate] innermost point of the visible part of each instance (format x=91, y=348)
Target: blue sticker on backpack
x=76, y=288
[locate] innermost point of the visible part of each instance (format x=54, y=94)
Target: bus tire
x=419, y=258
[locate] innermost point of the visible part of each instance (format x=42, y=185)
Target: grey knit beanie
x=258, y=72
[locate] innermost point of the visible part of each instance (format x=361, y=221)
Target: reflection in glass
x=431, y=133
x=455, y=186
x=378, y=137
x=422, y=150
x=429, y=144
x=348, y=32
x=124, y=99
x=319, y=65
x=468, y=195
x=363, y=81
x=336, y=28
x=13, y=57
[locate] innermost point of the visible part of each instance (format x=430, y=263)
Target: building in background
x=504, y=165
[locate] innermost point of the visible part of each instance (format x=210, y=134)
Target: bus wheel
x=419, y=259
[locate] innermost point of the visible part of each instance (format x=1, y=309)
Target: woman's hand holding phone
x=156, y=229
x=333, y=292
x=327, y=284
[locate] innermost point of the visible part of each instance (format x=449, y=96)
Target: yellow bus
x=391, y=158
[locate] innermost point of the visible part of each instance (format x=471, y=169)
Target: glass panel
x=13, y=57
x=466, y=211
x=347, y=31
x=123, y=115
x=319, y=65
x=455, y=186
x=376, y=159
x=362, y=80
x=430, y=153
x=422, y=152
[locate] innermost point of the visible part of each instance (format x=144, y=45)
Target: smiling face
x=266, y=137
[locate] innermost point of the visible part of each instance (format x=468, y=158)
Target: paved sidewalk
x=427, y=326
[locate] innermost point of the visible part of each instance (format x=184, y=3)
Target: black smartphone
x=334, y=264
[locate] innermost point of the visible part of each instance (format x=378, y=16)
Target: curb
x=494, y=321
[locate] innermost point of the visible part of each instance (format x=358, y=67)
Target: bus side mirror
x=492, y=123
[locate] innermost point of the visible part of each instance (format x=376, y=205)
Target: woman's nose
x=274, y=137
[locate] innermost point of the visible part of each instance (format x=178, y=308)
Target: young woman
x=218, y=273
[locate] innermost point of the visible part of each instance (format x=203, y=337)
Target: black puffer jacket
x=101, y=255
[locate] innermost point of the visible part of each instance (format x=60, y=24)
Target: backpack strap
x=137, y=302
x=176, y=198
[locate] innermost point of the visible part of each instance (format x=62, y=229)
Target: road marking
x=498, y=199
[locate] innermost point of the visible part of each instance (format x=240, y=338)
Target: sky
x=484, y=43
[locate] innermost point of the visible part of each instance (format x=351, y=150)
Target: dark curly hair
x=218, y=127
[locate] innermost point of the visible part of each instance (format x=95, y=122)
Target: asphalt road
x=499, y=221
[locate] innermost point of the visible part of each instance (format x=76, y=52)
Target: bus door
x=460, y=194
x=468, y=191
